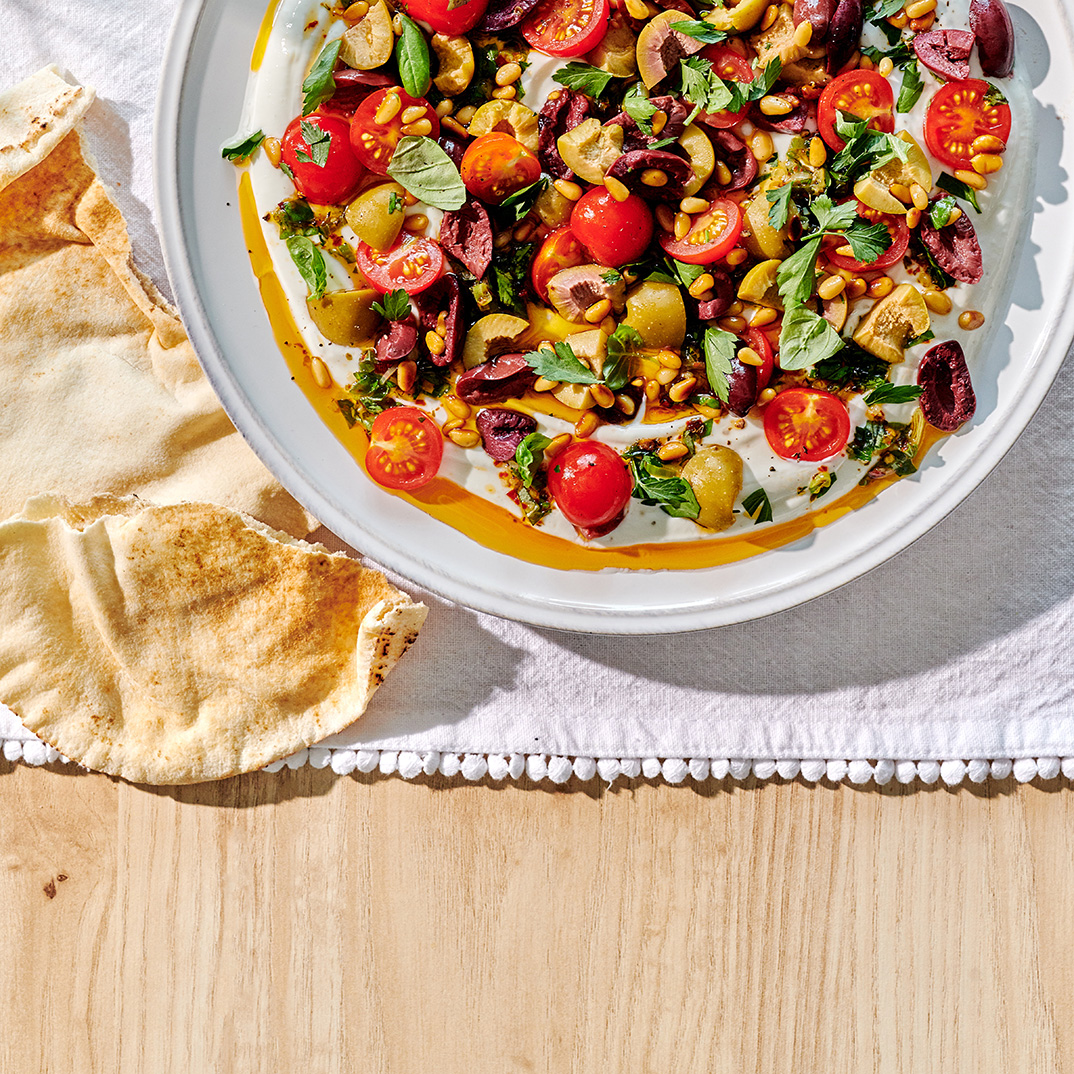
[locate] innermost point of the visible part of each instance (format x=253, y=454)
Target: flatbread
x=100, y=390
x=180, y=643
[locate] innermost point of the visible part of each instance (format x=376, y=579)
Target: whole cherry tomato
x=590, y=483
x=866, y=94
x=806, y=424
x=447, y=16
x=373, y=141
x=614, y=232
x=405, y=448
x=496, y=165
x=317, y=149
x=959, y=113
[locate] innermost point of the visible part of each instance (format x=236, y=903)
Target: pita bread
x=100, y=390
x=174, y=644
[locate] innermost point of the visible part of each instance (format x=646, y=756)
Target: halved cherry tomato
x=405, y=448
x=374, y=143
x=590, y=483
x=712, y=236
x=413, y=264
x=957, y=115
x=758, y=341
x=806, y=424
x=447, y=16
x=900, y=239
x=866, y=94
x=614, y=232
x=566, y=27
x=559, y=251
x=332, y=182
x=496, y=165
x=730, y=66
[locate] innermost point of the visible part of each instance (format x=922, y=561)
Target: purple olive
x=955, y=248
x=723, y=295
x=445, y=296
x=394, y=345
x=844, y=34
x=819, y=13
x=741, y=163
x=503, y=14
x=504, y=377
x=502, y=431
x=466, y=234
x=742, y=384
x=945, y=52
x=991, y=23
x=630, y=170
x=947, y=400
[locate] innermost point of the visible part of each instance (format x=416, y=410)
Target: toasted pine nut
x=586, y=425
x=543, y=384
x=679, y=393
x=846, y=250
x=766, y=396
x=389, y=108
x=938, y=302
x=626, y=404
x=557, y=445
x=406, y=376
x=571, y=191
x=774, y=105
x=955, y=213
x=421, y=128
x=913, y=217
x=598, y=311
x=603, y=396
x=986, y=163
x=510, y=72
x=923, y=23
x=416, y=222
x=974, y=179
x=505, y=93
x=608, y=324
x=761, y=145
x=524, y=230
x=453, y=124
x=919, y=8
x=881, y=287
x=654, y=177
x=899, y=20
x=672, y=450
x=652, y=390
x=736, y=307
x=637, y=9
x=885, y=67
x=356, y=11
x=665, y=217
x=669, y=360
x=451, y=423
x=693, y=206
x=902, y=192
x=466, y=114
x=703, y=283
x=856, y=287
x=771, y=13
x=971, y=319
x=658, y=121
x=436, y=344
x=273, y=150
x=732, y=323
x=445, y=108
x=803, y=33
x=503, y=238
x=762, y=315
x=683, y=223
x=736, y=257
x=818, y=152
x=412, y=113
x=457, y=407
x=617, y=189
x=321, y=377
x=831, y=286
x=748, y=356
x=987, y=143
x=666, y=376
x=920, y=196
x=465, y=438
x=397, y=25
x=867, y=64
x=723, y=173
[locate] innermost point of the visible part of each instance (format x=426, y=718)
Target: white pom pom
x=928, y=771
x=884, y=772
x=674, y=770
x=344, y=762
x=474, y=766
x=450, y=763
x=297, y=760
x=1068, y=767
x=320, y=757
x=516, y=765
x=585, y=768
x=609, y=769
x=953, y=772
x=34, y=752
x=650, y=768
x=430, y=762
x=836, y=770
x=977, y=770
x=52, y=755
x=1047, y=767
x=1002, y=767
x=273, y=767
x=389, y=762
x=905, y=771
x=409, y=765
x=498, y=767
x=559, y=769
x=764, y=769
x=859, y=772
x=741, y=767
x=12, y=750
x=630, y=766
x=536, y=767
x=700, y=769
x=720, y=767
x=789, y=769
x=366, y=761
x=813, y=770
x=1025, y=769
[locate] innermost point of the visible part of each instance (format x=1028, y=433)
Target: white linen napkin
x=952, y=660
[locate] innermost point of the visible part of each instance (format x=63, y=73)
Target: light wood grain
x=303, y=922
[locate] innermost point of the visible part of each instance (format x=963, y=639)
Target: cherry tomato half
x=865, y=94
x=559, y=251
x=590, y=483
x=614, y=232
x=900, y=239
x=957, y=115
x=496, y=165
x=374, y=143
x=405, y=448
x=730, y=66
x=758, y=341
x=447, y=16
x=712, y=236
x=332, y=182
x=566, y=27
x=413, y=264
x=806, y=424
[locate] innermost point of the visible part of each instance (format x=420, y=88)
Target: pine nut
x=659, y=120
x=766, y=396
x=881, y=287
x=356, y=11
x=421, y=128
x=444, y=108
x=846, y=250
x=763, y=315
x=465, y=438
x=733, y=323
x=397, y=25
x=693, y=206
x=683, y=223
x=321, y=377
x=617, y=189
x=986, y=163
x=920, y=196
x=938, y=302
x=736, y=307
x=608, y=324
x=543, y=384
x=899, y=20
x=987, y=143
x=406, y=376
x=956, y=212
x=435, y=343
x=974, y=179
x=451, y=423
x=818, y=152
x=723, y=173
x=603, y=396
x=679, y=393
x=971, y=320
x=505, y=93
x=466, y=114
x=524, y=230
x=898, y=190
x=457, y=407
x=389, y=108
x=416, y=222
x=412, y=113
x=586, y=425
x=672, y=450
x=919, y=8
x=510, y=72
x=637, y=9
x=748, y=356
x=856, y=287
x=557, y=445
x=703, y=283
x=503, y=238
x=571, y=191
x=273, y=150
x=803, y=33
x=771, y=13
x=626, y=404
x=831, y=286
x=598, y=311
x=867, y=64
x=913, y=217
x=654, y=177
x=761, y=145
x=669, y=360
x=665, y=217
x=652, y=391
x=736, y=257
x=706, y=411
x=885, y=67
x=773, y=105
x=923, y=23
x=453, y=124
x=666, y=376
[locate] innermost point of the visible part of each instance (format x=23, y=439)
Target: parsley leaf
x=395, y=204
x=561, y=364
x=762, y=85
x=867, y=441
x=583, y=77
x=638, y=106
x=394, y=306
x=832, y=217
x=657, y=486
x=701, y=31
x=796, y=277
x=893, y=393
x=994, y=95
x=911, y=87
x=242, y=147
x=868, y=241
x=719, y=347
x=685, y=272
x=706, y=91
x=317, y=141
x=412, y=58
x=805, y=339
x=780, y=206
x=958, y=188
x=529, y=455
x=623, y=344
x=310, y=263
x=320, y=83
x=758, y=506
x=510, y=275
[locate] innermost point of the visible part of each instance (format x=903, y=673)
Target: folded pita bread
x=173, y=644
x=100, y=391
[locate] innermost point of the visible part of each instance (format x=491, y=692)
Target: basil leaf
x=529, y=455
x=796, y=276
x=583, y=77
x=806, y=339
x=893, y=393
x=623, y=344
x=561, y=364
x=910, y=90
x=925, y=336
x=700, y=31
x=412, y=57
x=394, y=306
x=758, y=506
x=422, y=167
x=958, y=188
x=656, y=486
x=819, y=484
x=719, y=347
x=320, y=83
x=521, y=201
x=310, y=262
x=241, y=148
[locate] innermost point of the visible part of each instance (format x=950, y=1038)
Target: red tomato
x=496, y=165
x=447, y=16
x=806, y=424
x=405, y=448
x=590, y=483
x=614, y=232
x=731, y=67
x=758, y=341
x=374, y=143
x=712, y=237
x=413, y=264
x=958, y=114
x=566, y=27
x=334, y=181
x=900, y=239
x=559, y=251
x=865, y=94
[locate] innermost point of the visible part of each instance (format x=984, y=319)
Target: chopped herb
x=395, y=204
x=638, y=106
x=611, y=277
x=521, y=201
x=780, y=206
x=900, y=55
x=706, y=91
x=758, y=506
x=349, y=409
x=884, y=9
x=318, y=141
x=701, y=31
x=695, y=431
x=370, y=394
x=483, y=80
x=910, y=90
x=819, y=484
x=583, y=77
x=868, y=439
x=958, y=188
x=286, y=170
x=618, y=368
x=561, y=364
x=242, y=147
x=320, y=83
x=923, y=254
x=994, y=95
x=851, y=367
x=394, y=306
x=762, y=85
x=657, y=486
x=310, y=263
x=510, y=275
x=893, y=393
x=422, y=167
x=925, y=336
x=901, y=462
x=806, y=339
x=295, y=217
x=412, y=58
x=686, y=273
x=940, y=211
x=663, y=142
x=529, y=455
x=719, y=347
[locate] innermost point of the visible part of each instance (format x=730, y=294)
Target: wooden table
x=305, y=922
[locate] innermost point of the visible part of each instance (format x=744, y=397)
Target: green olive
x=346, y=317
x=376, y=215
x=760, y=285
x=657, y=313
x=715, y=475
x=761, y=238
